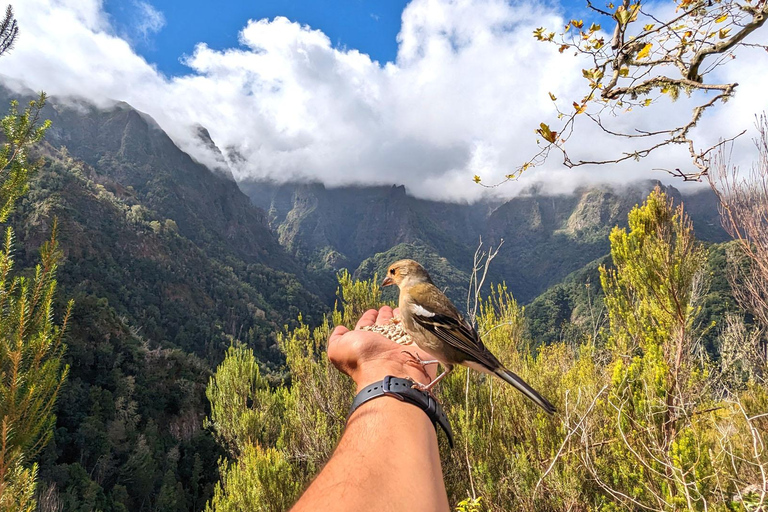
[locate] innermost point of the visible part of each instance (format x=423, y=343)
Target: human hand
x=369, y=357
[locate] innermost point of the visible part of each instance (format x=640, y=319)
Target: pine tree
x=31, y=348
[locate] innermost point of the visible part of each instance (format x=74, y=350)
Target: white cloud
x=150, y=20
x=468, y=88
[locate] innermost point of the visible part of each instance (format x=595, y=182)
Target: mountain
x=546, y=237
x=168, y=264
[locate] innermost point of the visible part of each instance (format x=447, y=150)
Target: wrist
x=403, y=392
x=374, y=373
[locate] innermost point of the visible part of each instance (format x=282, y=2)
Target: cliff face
x=127, y=147
x=545, y=237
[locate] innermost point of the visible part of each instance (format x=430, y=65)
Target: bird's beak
x=387, y=281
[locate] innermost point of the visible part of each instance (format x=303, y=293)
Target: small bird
x=437, y=328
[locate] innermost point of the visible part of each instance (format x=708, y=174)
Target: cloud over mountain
x=468, y=88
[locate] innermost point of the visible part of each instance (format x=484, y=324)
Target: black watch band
x=403, y=390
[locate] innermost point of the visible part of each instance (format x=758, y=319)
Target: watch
x=403, y=390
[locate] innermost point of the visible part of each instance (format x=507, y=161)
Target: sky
x=426, y=93
x=164, y=30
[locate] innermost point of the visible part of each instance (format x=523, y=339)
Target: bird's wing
x=433, y=311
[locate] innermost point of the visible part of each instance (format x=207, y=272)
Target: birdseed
x=393, y=331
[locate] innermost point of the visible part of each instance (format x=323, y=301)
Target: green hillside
x=165, y=276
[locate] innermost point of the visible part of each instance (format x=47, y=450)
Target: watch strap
x=403, y=390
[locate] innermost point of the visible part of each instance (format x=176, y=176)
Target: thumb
x=336, y=335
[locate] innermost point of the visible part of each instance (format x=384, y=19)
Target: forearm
x=387, y=459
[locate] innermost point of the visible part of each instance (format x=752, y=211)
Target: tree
x=651, y=299
x=744, y=211
x=9, y=29
x=31, y=348
x=650, y=54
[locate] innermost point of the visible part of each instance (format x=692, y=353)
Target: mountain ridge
x=546, y=237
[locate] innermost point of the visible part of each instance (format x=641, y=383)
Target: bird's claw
x=416, y=360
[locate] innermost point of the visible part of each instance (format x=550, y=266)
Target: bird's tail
x=527, y=390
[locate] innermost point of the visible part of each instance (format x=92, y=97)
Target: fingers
x=337, y=333
x=385, y=315
x=333, y=341
x=368, y=318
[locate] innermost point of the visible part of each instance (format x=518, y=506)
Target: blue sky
x=370, y=26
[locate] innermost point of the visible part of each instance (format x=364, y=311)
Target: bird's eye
x=392, y=271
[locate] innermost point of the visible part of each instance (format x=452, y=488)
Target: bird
x=437, y=328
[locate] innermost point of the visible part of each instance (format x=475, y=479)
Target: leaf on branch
x=645, y=52
x=579, y=108
x=624, y=72
x=476, y=179
x=648, y=27
x=626, y=16
x=622, y=16
x=577, y=23
x=594, y=27
x=722, y=18
x=552, y=97
x=563, y=48
x=593, y=75
x=647, y=102
x=723, y=33
x=546, y=133
x=540, y=36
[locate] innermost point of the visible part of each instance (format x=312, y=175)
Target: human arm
x=387, y=458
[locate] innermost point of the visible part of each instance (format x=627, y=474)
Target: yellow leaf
x=563, y=48
x=649, y=27
x=577, y=24
x=643, y=54
x=647, y=102
x=552, y=97
x=476, y=179
x=722, y=18
x=594, y=27
x=579, y=108
x=723, y=33
x=624, y=72
x=621, y=15
x=546, y=133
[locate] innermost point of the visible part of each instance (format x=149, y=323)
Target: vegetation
x=649, y=421
x=31, y=348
